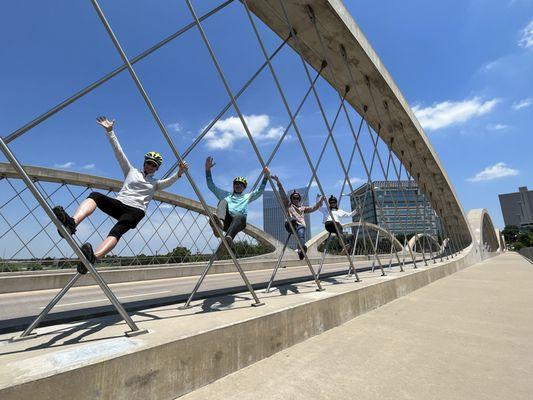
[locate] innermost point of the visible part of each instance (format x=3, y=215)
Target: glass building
x=274, y=219
x=517, y=207
x=396, y=206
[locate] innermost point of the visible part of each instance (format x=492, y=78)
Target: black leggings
x=128, y=217
x=233, y=224
x=330, y=227
x=346, y=237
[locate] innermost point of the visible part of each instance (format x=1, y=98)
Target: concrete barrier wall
x=43, y=280
x=527, y=252
x=181, y=365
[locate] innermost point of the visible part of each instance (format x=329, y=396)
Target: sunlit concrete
x=189, y=349
x=464, y=337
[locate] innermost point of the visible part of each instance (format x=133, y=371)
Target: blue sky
x=464, y=66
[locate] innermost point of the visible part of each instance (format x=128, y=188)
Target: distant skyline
x=463, y=65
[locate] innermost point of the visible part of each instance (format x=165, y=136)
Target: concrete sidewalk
x=468, y=336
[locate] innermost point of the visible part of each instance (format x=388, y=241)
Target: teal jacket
x=237, y=203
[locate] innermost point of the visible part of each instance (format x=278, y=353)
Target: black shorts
x=128, y=217
x=330, y=227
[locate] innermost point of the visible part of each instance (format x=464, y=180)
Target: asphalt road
x=18, y=310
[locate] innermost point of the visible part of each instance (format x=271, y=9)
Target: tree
x=510, y=233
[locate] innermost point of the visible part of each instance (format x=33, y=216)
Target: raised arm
x=119, y=153
x=281, y=190
x=164, y=183
x=323, y=206
x=345, y=214
x=219, y=193
x=310, y=209
x=259, y=191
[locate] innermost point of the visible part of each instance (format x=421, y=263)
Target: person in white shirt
x=129, y=207
x=338, y=214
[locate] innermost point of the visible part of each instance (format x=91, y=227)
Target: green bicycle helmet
x=154, y=156
x=241, y=179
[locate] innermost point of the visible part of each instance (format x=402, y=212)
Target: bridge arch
x=313, y=243
x=420, y=237
x=71, y=180
x=486, y=238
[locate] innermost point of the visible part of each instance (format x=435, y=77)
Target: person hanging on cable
x=296, y=210
x=232, y=206
x=129, y=207
x=338, y=214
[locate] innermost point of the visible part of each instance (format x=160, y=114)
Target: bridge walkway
x=468, y=336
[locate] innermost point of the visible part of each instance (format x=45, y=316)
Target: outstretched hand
x=183, y=167
x=209, y=163
x=266, y=171
x=107, y=124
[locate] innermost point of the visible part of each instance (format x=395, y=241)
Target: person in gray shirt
x=129, y=207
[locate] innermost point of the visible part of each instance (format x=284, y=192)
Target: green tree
x=510, y=233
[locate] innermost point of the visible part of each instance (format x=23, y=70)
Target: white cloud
x=353, y=181
x=498, y=170
x=491, y=65
x=89, y=166
x=497, y=127
x=227, y=131
x=523, y=103
x=67, y=165
x=176, y=127
x=526, y=40
x=448, y=113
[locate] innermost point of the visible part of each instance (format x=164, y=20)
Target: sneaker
x=229, y=239
x=88, y=252
x=222, y=249
x=218, y=222
x=67, y=221
x=301, y=254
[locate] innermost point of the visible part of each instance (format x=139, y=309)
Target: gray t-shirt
x=138, y=188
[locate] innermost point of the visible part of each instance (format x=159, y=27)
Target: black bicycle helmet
x=295, y=194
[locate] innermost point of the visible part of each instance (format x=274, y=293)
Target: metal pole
x=398, y=172
x=226, y=108
x=312, y=17
x=38, y=196
x=291, y=116
x=324, y=251
x=424, y=208
x=274, y=272
x=172, y=146
x=417, y=208
x=197, y=286
x=47, y=309
x=375, y=249
x=278, y=144
x=365, y=108
x=249, y=134
x=43, y=117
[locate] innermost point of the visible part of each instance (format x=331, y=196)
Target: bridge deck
x=464, y=337
x=189, y=349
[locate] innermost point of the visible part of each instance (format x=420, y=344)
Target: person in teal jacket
x=232, y=206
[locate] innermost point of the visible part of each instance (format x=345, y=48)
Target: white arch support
x=313, y=243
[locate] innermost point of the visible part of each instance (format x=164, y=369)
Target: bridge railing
x=169, y=234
